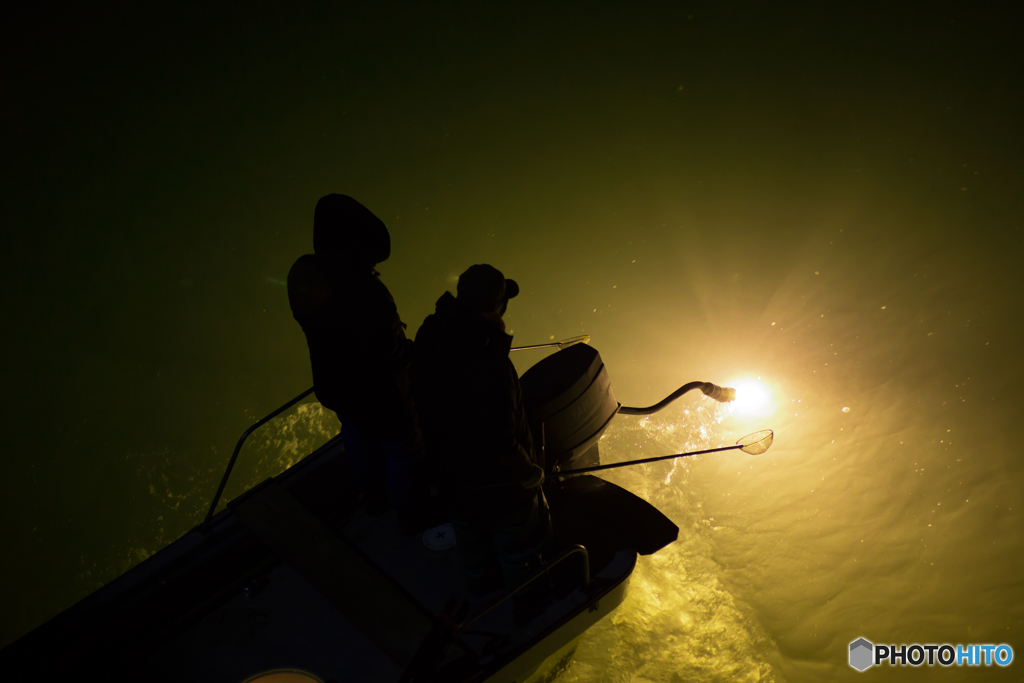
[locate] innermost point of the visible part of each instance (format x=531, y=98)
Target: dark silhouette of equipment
x=569, y=400
x=570, y=394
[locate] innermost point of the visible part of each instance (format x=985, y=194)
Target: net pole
x=642, y=461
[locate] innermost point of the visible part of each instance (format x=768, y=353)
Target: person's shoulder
x=431, y=328
x=308, y=287
x=303, y=264
x=440, y=336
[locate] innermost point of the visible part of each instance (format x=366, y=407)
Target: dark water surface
x=826, y=202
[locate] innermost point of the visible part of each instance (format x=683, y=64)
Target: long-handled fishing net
x=754, y=444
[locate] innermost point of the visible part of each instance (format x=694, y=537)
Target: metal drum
x=570, y=393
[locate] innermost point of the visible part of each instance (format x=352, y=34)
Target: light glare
x=752, y=399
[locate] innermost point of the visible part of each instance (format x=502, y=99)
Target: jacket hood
x=346, y=230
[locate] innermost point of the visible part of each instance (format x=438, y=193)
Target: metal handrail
x=238, y=448
x=570, y=551
x=447, y=631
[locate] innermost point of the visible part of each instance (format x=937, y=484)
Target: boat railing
x=448, y=628
x=564, y=555
x=238, y=449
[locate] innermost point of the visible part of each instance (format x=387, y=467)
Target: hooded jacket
x=357, y=345
x=477, y=437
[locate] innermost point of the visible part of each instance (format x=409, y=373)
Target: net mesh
x=756, y=443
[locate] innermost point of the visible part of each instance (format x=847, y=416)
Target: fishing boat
x=295, y=581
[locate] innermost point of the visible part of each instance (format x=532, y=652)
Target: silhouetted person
x=359, y=352
x=479, y=446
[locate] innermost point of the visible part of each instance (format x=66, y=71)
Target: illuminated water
x=828, y=201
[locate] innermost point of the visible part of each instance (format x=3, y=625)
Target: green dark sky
x=666, y=177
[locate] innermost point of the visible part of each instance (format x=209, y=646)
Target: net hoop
x=757, y=443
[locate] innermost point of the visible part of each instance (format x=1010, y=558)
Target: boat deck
x=288, y=623
x=293, y=574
